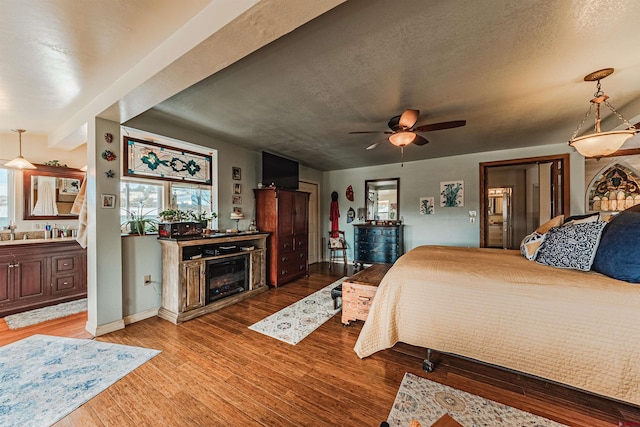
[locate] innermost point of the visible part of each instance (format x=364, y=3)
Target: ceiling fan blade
x=420, y=140
x=370, y=131
x=375, y=144
x=409, y=118
x=440, y=126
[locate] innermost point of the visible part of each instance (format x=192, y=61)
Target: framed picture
x=427, y=205
x=236, y=200
x=108, y=201
x=236, y=188
x=452, y=194
x=237, y=210
x=70, y=185
x=236, y=173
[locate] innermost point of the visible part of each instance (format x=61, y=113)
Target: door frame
x=319, y=247
x=565, y=197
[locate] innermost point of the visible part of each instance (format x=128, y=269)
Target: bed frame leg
x=427, y=364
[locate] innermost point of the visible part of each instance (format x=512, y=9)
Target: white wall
x=447, y=226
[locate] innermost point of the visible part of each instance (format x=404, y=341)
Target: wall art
x=236, y=188
x=145, y=159
x=236, y=200
x=451, y=194
x=236, y=173
x=427, y=205
x=108, y=155
x=108, y=201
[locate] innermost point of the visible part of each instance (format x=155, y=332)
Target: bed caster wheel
x=427, y=366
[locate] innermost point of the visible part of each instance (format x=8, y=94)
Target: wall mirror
x=49, y=192
x=382, y=199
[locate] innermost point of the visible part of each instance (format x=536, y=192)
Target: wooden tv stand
x=184, y=287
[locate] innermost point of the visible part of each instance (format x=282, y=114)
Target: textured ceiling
x=513, y=69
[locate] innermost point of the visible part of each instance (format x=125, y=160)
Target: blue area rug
x=32, y=317
x=293, y=323
x=44, y=378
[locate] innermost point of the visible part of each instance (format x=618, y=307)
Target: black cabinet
x=377, y=244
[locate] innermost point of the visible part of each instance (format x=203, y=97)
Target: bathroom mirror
x=49, y=192
x=382, y=199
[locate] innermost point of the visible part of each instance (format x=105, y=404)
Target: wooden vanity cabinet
x=35, y=275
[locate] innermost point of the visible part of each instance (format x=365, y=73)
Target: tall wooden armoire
x=284, y=214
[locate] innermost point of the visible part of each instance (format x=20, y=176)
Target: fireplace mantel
x=184, y=283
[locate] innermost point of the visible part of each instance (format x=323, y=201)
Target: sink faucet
x=12, y=230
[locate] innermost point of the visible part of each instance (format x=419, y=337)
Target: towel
x=46, y=203
x=80, y=208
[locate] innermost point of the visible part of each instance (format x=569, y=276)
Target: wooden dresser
x=377, y=243
x=358, y=292
x=284, y=214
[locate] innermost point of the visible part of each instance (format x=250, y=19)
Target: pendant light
x=19, y=162
x=599, y=144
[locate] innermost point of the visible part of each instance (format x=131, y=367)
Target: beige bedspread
x=576, y=328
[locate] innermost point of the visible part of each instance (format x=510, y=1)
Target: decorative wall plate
x=108, y=138
x=349, y=193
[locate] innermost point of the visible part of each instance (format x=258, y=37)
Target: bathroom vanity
x=37, y=273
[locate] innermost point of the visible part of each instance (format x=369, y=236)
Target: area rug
x=293, y=323
x=28, y=318
x=44, y=378
x=426, y=401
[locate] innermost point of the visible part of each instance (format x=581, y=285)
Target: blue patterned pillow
x=571, y=246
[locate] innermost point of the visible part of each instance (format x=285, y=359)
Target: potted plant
x=139, y=222
x=202, y=217
x=173, y=215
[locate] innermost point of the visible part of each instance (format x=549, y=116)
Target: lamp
x=600, y=143
x=19, y=162
x=237, y=216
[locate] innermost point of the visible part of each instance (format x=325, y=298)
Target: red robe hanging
x=334, y=214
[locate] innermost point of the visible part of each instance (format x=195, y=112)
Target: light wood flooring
x=214, y=371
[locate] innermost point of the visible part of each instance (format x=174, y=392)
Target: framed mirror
x=382, y=199
x=49, y=192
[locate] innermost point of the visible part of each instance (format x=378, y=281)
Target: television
x=281, y=172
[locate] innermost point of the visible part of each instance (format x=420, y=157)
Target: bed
x=578, y=328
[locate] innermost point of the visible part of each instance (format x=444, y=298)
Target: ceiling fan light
x=402, y=138
x=601, y=143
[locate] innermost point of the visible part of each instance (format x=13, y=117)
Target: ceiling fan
x=404, y=133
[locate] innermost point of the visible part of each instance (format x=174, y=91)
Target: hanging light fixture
x=19, y=162
x=599, y=144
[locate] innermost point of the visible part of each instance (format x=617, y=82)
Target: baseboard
x=136, y=317
x=96, y=330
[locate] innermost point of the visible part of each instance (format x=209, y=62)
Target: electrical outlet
x=472, y=220
x=147, y=279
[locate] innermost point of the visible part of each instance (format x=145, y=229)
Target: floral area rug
x=44, y=378
x=426, y=401
x=293, y=323
x=28, y=318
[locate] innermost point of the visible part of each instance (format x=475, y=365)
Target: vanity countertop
x=35, y=241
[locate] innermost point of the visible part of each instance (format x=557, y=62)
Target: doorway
x=314, y=224
x=519, y=195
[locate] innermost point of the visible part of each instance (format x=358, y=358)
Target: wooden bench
x=358, y=292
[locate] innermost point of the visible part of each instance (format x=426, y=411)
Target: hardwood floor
x=214, y=371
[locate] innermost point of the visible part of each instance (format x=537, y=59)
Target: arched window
x=614, y=189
